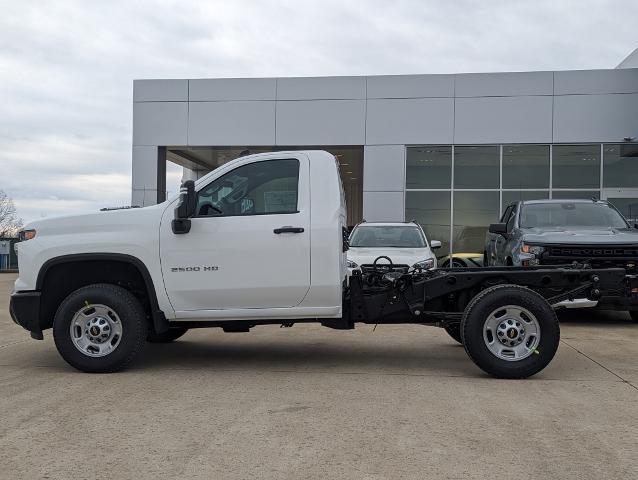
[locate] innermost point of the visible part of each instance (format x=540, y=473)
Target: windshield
x=388, y=236
x=566, y=214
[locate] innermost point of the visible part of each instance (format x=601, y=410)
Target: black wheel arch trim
x=160, y=323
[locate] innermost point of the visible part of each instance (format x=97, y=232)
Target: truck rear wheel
x=100, y=328
x=454, y=331
x=634, y=315
x=510, y=331
x=167, y=336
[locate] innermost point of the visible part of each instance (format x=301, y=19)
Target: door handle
x=288, y=229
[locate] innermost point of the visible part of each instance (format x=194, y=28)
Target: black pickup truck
x=560, y=232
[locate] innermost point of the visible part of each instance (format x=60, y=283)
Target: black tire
x=634, y=315
x=131, y=316
x=454, y=331
x=166, y=337
x=476, y=315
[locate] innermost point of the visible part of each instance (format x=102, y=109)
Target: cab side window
x=261, y=188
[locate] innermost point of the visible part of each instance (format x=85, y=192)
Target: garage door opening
x=192, y=163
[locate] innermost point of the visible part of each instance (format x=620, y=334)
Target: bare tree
x=10, y=223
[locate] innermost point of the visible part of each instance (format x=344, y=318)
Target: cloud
x=67, y=67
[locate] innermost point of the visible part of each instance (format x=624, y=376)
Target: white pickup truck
x=262, y=240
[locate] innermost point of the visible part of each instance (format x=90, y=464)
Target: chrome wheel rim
x=96, y=330
x=511, y=333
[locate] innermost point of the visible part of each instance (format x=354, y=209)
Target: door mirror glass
x=435, y=244
x=498, y=228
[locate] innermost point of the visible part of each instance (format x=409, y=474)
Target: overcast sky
x=67, y=67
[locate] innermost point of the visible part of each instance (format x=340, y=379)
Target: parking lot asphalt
x=310, y=402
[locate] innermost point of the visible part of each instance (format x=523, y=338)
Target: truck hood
x=399, y=256
x=112, y=221
x=583, y=237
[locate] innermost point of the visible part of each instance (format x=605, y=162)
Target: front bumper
x=24, y=309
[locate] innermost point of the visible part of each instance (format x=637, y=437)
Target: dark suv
x=555, y=232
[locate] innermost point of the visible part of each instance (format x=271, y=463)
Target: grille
x=594, y=251
x=385, y=267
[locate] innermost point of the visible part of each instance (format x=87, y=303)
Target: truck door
x=249, y=242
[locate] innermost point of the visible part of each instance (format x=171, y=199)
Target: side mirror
x=185, y=209
x=498, y=228
x=435, y=244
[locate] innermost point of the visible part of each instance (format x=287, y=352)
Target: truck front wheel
x=510, y=331
x=634, y=315
x=100, y=328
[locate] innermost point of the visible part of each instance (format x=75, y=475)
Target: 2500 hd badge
x=213, y=268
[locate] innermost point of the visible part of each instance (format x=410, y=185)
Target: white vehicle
x=262, y=240
x=404, y=244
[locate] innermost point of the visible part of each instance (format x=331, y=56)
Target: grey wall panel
x=383, y=206
x=143, y=197
x=216, y=89
x=160, y=123
x=384, y=168
x=503, y=84
x=160, y=90
x=321, y=88
x=595, y=118
x=144, y=172
x=401, y=121
x=596, y=81
x=410, y=86
x=321, y=122
x=503, y=120
x=145, y=167
x=231, y=123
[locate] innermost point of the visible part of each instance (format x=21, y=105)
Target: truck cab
x=264, y=239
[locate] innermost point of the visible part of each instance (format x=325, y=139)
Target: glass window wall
x=476, y=167
x=620, y=169
x=473, y=212
x=576, y=166
x=455, y=192
x=525, y=166
x=432, y=211
x=429, y=167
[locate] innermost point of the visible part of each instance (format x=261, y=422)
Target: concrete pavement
x=309, y=402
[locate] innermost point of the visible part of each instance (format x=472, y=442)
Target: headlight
x=24, y=235
x=533, y=249
x=424, y=264
x=351, y=264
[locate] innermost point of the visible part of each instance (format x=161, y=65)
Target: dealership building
x=449, y=151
